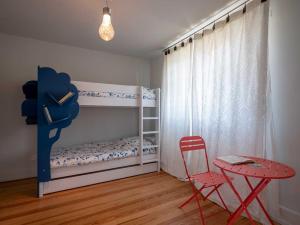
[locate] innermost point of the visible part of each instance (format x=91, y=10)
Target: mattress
x=99, y=151
x=148, y=94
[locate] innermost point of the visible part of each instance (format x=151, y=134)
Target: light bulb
x=106, y=30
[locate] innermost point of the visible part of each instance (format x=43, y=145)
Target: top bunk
x=92, y=94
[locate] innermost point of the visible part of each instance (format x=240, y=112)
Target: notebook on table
x=235, y=160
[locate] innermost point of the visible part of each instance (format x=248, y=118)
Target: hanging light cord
x=106, y=3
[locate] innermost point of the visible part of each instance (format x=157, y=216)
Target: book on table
x=235, y=160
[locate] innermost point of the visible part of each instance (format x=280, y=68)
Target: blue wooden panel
x=29, y=106
x=30, y=89
x=58, y=85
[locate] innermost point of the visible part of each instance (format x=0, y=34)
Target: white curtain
x=217, y=87
x=176, y=107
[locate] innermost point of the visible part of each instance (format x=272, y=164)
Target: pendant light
x=106, y=30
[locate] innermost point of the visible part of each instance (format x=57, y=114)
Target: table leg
x=242, y=207
x=262, y=184
x=259, y=202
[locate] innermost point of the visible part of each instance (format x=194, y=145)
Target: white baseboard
x=279, y=220
x=287, y=216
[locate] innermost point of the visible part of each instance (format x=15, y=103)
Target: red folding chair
x=206, y=179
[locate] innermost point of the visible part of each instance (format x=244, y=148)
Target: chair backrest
x=192, y=143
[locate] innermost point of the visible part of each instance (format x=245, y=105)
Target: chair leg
x=193, y=196
x=200, y=209
x=214, y=189
x=225, y=206
x=188, y=200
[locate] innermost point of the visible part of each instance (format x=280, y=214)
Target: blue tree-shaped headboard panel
x=56, y=108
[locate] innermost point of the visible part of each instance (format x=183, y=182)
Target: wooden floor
x=150, y=199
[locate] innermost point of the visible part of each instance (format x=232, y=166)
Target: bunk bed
x=90, y=163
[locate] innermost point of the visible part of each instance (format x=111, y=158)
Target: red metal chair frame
x=196, y=143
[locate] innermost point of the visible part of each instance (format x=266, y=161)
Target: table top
x=262, y=168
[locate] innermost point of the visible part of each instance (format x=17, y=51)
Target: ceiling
x=143, y=27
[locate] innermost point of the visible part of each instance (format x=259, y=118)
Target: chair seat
x=209, y=178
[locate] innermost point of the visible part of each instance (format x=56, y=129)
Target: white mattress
x=148, y=94
x=97, y=152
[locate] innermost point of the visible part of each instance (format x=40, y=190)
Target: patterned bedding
x=98, y=151
x=149, y=94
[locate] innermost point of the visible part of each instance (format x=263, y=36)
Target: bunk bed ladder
x=158, y=127
x=141, y=122
x=156, y=132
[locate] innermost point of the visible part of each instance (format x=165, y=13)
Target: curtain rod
x=210, y=23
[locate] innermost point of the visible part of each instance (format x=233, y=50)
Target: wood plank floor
x=150, y=199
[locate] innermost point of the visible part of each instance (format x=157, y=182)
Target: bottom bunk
x=96, y=162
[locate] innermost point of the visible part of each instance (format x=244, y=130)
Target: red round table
x=263, y=169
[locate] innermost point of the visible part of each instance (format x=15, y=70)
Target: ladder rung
x=151, y=132
x=150, y=146
x=150, y=118
x=150, y=160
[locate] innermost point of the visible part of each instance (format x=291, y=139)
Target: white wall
x=157, y=71
x=284, y=36
x=19, y=58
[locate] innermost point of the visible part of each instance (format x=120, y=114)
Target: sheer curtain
x=176, y=107
x=217, y=87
